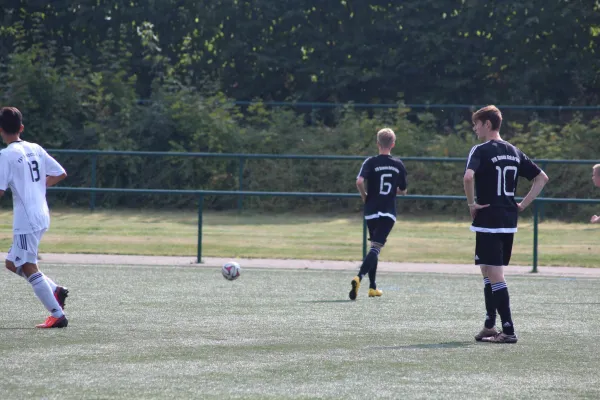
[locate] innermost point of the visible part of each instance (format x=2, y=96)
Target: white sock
x=44, y=293
x=50, y=281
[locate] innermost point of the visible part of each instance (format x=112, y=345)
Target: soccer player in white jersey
x=27, y=169
x=596, y=179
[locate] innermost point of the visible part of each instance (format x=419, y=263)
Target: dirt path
x=102, y=259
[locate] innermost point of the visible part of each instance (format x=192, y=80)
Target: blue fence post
x=93, y=181
x=241, y=182
x=535, y=236
x=199, y=246
x=544, y=165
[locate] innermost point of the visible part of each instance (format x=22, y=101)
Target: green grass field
x=165, y=332
x=425, y=239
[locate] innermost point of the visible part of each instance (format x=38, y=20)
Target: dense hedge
x=79, y=101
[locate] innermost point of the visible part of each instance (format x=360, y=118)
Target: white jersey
x=23, y=168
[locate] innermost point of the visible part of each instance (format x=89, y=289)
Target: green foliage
x=77, y=71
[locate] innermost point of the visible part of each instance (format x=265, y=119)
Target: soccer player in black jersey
x=596, y=179
x=386, y=178
x=492, y=172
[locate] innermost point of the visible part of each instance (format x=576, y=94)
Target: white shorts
x=24, y=248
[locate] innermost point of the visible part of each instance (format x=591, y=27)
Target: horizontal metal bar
x=282, y=156
x=414, y=105
x=567, y=200
x=290, y=194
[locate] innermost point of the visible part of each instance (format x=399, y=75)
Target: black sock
x=372, y=273
x=490, y=306
x=369, y=262
x=502, y=301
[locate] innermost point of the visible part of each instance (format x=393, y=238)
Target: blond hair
x=386, y=138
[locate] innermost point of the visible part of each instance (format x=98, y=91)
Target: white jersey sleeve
x=5, y=174
x=52, y=167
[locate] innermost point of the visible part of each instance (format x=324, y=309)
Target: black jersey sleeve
x=474, y=159
x=402, y=180
x=528, y=169
x=365, y=169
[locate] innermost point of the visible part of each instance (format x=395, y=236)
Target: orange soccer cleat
x=53, y=322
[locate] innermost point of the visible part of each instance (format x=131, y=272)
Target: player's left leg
x=380, y=236
x=23, y=259
x=484, y=256
x=500, y=291
x=355, y=283
x=60, y=292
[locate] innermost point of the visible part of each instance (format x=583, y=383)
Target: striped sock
x=369, y=262
x=372, y=275
x=53, y=285
x=490, y=307
x=42, y=291
x=502, y=302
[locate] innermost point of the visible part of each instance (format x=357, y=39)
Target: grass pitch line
x=109, y=259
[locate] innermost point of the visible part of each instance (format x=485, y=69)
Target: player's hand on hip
x=595, y=219
x=520, y=206
x=473, y=208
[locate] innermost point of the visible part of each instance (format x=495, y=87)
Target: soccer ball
x=231, y=270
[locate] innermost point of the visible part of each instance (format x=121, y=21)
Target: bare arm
x=538, y=184
x=469, y=185
x=1, y=193
x=53, y=180
x=360, y=185
x=401, y=192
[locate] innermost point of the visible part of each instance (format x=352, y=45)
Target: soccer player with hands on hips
x=386, y=178
x=596, y=179
x=27, y=169
x=493, y=169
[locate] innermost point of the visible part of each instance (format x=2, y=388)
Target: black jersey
x=383, y=174
x=498, y=165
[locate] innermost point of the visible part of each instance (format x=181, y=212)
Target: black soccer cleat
x=61, y=294
x=355, y=285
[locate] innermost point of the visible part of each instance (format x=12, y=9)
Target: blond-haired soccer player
x=386, y=177
x=27, y=169
x=596, y=179
x=493, y=169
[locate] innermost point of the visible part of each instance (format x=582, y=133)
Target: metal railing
x=201, y=193
x=242, y=157
x=422, y=106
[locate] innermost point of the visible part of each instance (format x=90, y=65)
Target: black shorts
x=379, y=229
x=493, y=248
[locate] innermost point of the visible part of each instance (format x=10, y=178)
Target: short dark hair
x=11, y=120
x=489, y=113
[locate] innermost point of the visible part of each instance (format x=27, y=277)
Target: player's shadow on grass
x=445, y=345
x=570, y=303
x=328, y=301
x=15, y=328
